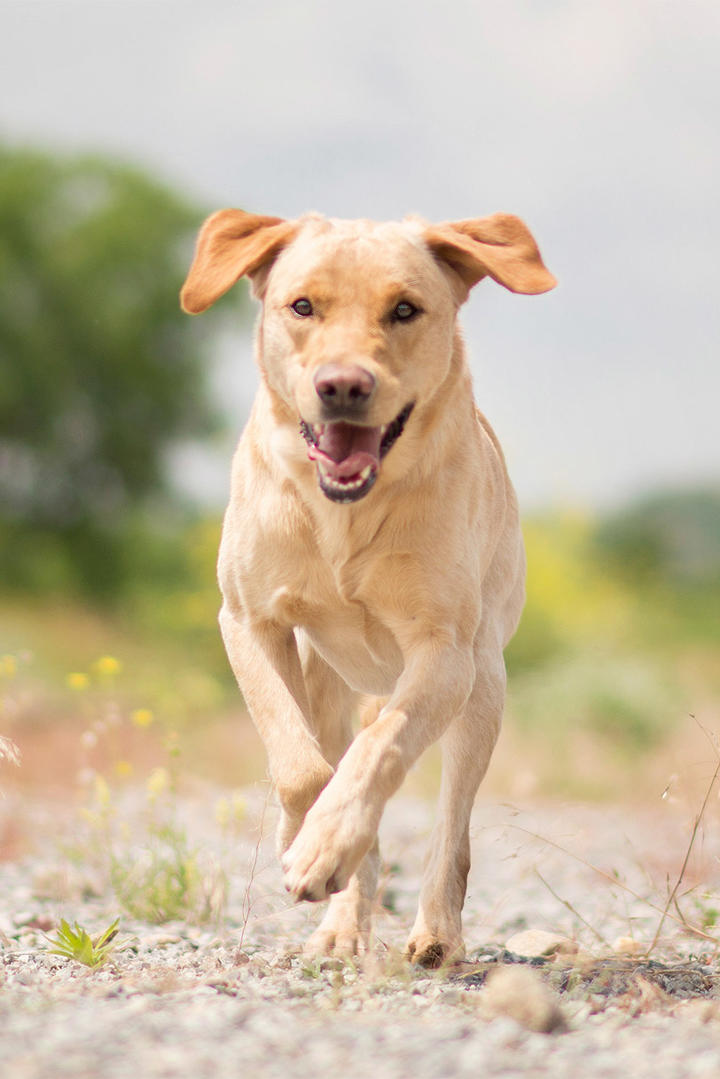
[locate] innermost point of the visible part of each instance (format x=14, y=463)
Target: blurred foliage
x=620, y=638
x=163, y=631
x=638, y=577
x=671, y=538
x=102, y=375
x=101, y=372
x=667, y=547
x=605, y=670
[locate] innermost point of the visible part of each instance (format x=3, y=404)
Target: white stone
x=538, y=942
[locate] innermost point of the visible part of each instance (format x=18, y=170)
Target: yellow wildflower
x=77, y=680
x=123, y=769
x=141, y=717
x=107, y=666
x=102, y=792
x=8, y=666
x=157, y=782
x=230, y=811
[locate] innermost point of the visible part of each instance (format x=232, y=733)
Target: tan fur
x=407, y=596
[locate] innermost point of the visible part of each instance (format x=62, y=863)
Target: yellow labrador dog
x=371, y=551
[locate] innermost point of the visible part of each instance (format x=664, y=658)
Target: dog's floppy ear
x=231, y=243
x=500, y=246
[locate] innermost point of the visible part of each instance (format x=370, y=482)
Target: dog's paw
x=431, y=950
x=325, y=853
x=344, y=943
x=345, y=929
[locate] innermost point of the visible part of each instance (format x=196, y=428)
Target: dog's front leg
x=265, y=660
x=342, y=825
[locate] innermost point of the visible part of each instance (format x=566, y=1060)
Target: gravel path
x=236, y=999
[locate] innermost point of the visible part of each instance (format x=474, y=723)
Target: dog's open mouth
x=348, y=455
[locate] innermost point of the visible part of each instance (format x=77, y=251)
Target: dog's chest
x=343, y=621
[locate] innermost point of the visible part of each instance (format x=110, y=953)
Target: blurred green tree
x=672, y=536
x=666, y=549
x=99, y=370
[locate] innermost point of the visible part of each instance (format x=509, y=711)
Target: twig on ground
x=572, y=910
x=615, y=881
x=247, y=901
x=693, y=835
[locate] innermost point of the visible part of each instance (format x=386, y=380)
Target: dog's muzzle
x=348, y=455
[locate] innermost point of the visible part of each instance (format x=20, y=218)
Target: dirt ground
x=234, y=995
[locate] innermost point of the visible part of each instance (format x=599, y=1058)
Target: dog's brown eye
x=302, y=307
x=404, y=311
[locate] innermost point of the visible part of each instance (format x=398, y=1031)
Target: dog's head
x=358, y=318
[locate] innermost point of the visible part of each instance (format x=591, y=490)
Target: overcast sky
x=597, y=121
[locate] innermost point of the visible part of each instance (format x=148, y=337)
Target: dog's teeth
x=350, y=485
x=346, y=487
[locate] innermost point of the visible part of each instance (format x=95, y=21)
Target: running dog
x=371, y=556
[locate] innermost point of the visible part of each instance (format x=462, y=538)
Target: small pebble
x=519, y=993
x=628, y=946
x=538, y=942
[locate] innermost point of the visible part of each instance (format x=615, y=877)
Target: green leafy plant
x=74, y=942
x=156, y=873
x=162, y=879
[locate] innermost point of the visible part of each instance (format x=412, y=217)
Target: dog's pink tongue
x=342, y=440
x=346, y=448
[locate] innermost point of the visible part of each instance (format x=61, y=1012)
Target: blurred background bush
x=104, y=554
x=602, y=392
x=101, y=373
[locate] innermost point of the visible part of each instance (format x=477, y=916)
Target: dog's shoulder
x=489, y=433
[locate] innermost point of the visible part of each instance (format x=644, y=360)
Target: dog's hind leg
x=467, y=747
x=346, y=926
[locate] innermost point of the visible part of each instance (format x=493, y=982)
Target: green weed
x=74, y=942
x=708, y=915
x=163, y=880
x=140, y=844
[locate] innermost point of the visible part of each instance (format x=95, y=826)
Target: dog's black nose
x=343, y=388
